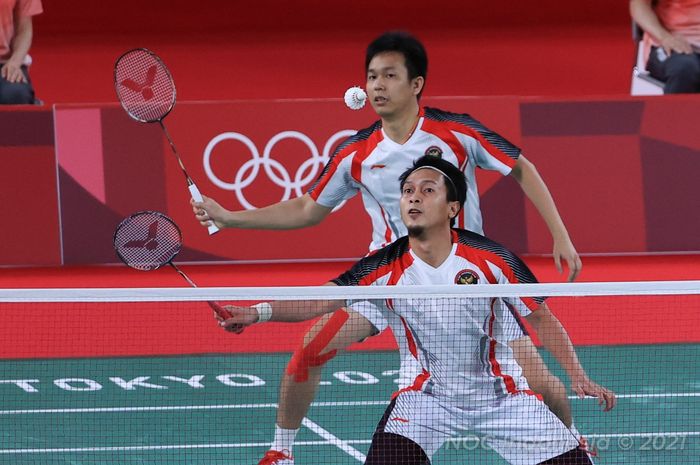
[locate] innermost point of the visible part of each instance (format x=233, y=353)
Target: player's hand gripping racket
x=148, y=240
x=146, y=90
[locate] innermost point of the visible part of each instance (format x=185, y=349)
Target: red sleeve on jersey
x=495, y=144
x=397, y=268
x=479, y=249
x=353, y=144
x=393, y=258
x=442, y=131
x=363, y=152
x=329, y=170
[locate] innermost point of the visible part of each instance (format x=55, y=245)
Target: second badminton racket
x=148, y=240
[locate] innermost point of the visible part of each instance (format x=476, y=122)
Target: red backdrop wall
x=623, y=172
x=222, y=49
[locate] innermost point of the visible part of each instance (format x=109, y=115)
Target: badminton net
x=148, y=376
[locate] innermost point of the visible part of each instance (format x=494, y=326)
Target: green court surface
x=220, y=409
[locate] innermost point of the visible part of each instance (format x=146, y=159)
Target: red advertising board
x=29, y=225
x=622, y=171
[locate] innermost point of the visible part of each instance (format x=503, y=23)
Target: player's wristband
x=264, y=310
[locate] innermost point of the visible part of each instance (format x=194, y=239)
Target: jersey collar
x=395, y=145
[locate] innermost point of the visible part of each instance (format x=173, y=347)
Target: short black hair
x=406, y=44
x=455, y=181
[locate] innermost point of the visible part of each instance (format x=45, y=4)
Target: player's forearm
x=644, y=15
x=536, y=190
x=22, y=40
x=556, y=340
x=295, y=213
x=290, y=311
x=300, y=310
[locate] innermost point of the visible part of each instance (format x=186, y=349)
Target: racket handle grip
x=220, y=311
x=225, y=315
x=197, y=196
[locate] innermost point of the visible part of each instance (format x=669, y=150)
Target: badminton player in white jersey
x=469, y=381
x=369, y=163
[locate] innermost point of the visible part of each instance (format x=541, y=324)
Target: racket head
x=144, y=85
x=147, y=240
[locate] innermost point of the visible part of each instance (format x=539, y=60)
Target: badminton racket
x=148, y=240
x=146, y=90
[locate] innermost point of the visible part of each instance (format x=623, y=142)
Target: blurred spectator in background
x=15, y=40
x=672, y=38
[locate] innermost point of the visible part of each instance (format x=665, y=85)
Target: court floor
x=220, y=409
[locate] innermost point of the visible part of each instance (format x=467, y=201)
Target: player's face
x=389, y=89
x=424, y=205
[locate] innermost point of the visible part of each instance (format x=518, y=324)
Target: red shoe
x=277, y=457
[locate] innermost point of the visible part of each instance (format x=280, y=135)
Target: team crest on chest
x=467, y=277
x=434, y=151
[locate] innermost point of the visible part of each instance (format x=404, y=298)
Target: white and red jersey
x=459, y=342
x=371, y=163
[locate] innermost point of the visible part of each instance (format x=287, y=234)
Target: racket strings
x=144, y=86
x=146, y=241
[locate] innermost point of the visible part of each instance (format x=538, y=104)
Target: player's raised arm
x=556, y=340
x=295, y=213
x=536, y=190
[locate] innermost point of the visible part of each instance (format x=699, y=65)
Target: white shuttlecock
x=355, y=98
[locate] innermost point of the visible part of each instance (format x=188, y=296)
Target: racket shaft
x=218, y=309
x=194, y=191
x=174, y=150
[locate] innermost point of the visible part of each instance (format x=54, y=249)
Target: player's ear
x=417, y=84
x=453, y=209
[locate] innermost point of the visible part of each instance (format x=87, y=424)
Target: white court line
x=610, y=435
x=166, y=408
x=359, y=403
x=66, y=450
x=645, y=396
x=350, y=403
x=661, y=394
x=643, y=435
x=336, y=441
x=329, y=438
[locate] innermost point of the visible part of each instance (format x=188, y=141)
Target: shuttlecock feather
x=355, y=98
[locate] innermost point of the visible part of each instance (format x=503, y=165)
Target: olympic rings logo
x=274, y=170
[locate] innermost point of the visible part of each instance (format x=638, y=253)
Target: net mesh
x=144, y=85
x=149, y=376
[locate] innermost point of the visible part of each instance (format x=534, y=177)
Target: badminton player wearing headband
x=396, y=67
x=453, y=394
